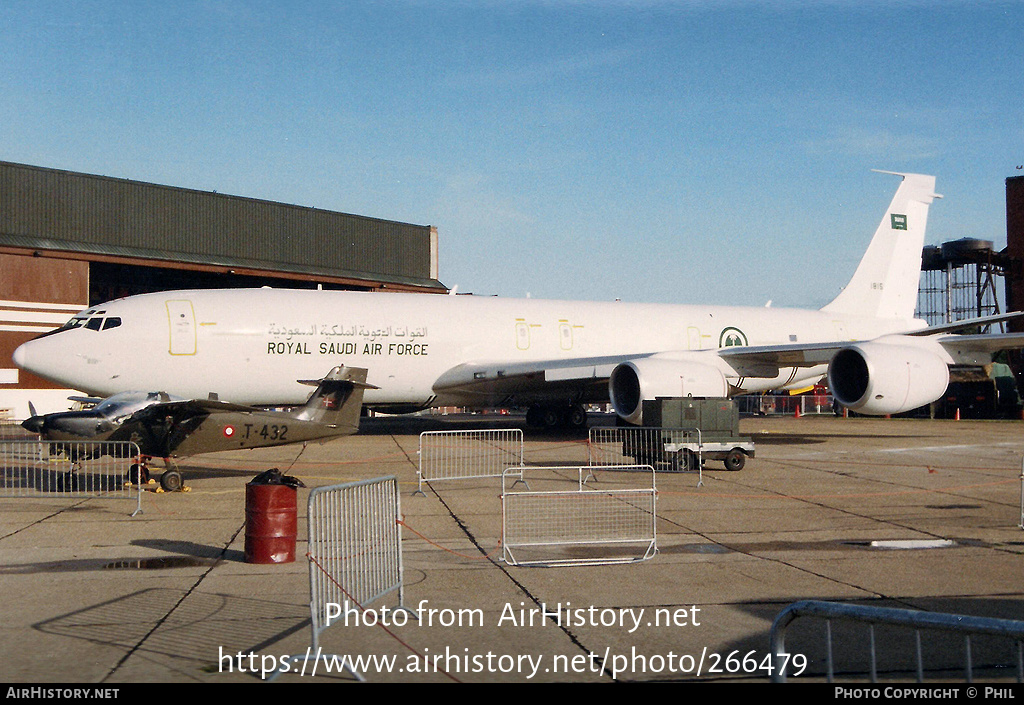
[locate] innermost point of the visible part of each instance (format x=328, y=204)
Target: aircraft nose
x=20, y=356
x=34, y=424
x=49, y=357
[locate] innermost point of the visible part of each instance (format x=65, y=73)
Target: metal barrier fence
x=952, y=626
x=580, y=526
x=71, y=468
x=663, y=449
x=355, y=555
x=462, y=455
x=12, y=430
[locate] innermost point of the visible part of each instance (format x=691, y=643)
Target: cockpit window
x=91, y=319
x=124, y=404
x=75, y=322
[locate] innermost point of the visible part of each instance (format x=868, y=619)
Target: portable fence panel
x=70, y=468
x=674, y=450
x=12, y=430
x=461, y=455
x=355, y=547
x=860, y=641
x=580, y=526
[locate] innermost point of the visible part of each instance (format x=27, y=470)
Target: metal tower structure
x=958, y=281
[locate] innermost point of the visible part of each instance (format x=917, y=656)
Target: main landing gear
x=170, y=480
x=568, y=416
x=138, y=473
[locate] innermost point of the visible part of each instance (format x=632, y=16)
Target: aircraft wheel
x=735, y=460
x=550, y=418
x=577, y=417
x=171, y=481
x=684, y=460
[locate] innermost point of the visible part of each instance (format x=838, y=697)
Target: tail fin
x=338, y=398
x=886, y=281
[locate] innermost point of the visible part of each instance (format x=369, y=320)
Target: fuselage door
x=693, y=338
x=181, y=319
x=565, y=335
x=522, y=334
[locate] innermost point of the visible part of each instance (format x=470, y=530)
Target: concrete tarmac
x=911, y=514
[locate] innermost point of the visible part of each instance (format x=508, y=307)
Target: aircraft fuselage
x=251, y=346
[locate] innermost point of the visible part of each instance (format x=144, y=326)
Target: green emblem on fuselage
x=731, y=338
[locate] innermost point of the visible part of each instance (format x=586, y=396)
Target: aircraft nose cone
x=20, y=356
x=34, y=424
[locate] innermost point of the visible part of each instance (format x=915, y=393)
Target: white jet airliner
x=252, y=346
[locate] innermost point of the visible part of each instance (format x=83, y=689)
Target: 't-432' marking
x=268, y=432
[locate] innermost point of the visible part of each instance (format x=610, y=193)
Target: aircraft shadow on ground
x=787, y=439
x=403, y=425
x=202, y=472
x=411, y=424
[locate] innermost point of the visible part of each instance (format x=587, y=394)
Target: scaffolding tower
x=958, y=281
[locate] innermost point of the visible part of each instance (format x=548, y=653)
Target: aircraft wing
x=968, y=323
x=985, y=342
x=811, y=354
x=540, y=378
x=181, y=409
x=207, y=406
x=533, y=378
x=747, y=359
x=501, y=377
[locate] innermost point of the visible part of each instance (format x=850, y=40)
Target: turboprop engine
x=880, y=377
x=634, y=381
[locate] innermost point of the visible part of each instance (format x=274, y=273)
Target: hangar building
x=70, y=240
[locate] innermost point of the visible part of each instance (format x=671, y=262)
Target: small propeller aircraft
x=171, y=427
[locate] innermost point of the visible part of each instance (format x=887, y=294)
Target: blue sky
x=689, y=151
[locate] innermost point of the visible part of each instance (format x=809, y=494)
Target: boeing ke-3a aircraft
x=251, y=346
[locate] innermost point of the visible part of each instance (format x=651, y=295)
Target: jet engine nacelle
x=634, y=381
x=884, y=378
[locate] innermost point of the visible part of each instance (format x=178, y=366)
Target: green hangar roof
x=67, y=212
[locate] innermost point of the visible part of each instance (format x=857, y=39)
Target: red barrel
x=271, y=523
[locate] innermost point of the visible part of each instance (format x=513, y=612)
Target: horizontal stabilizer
x=86, y=400
x=969, y=323
x=337, y=399
x=342, y=374
x=983, y=342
